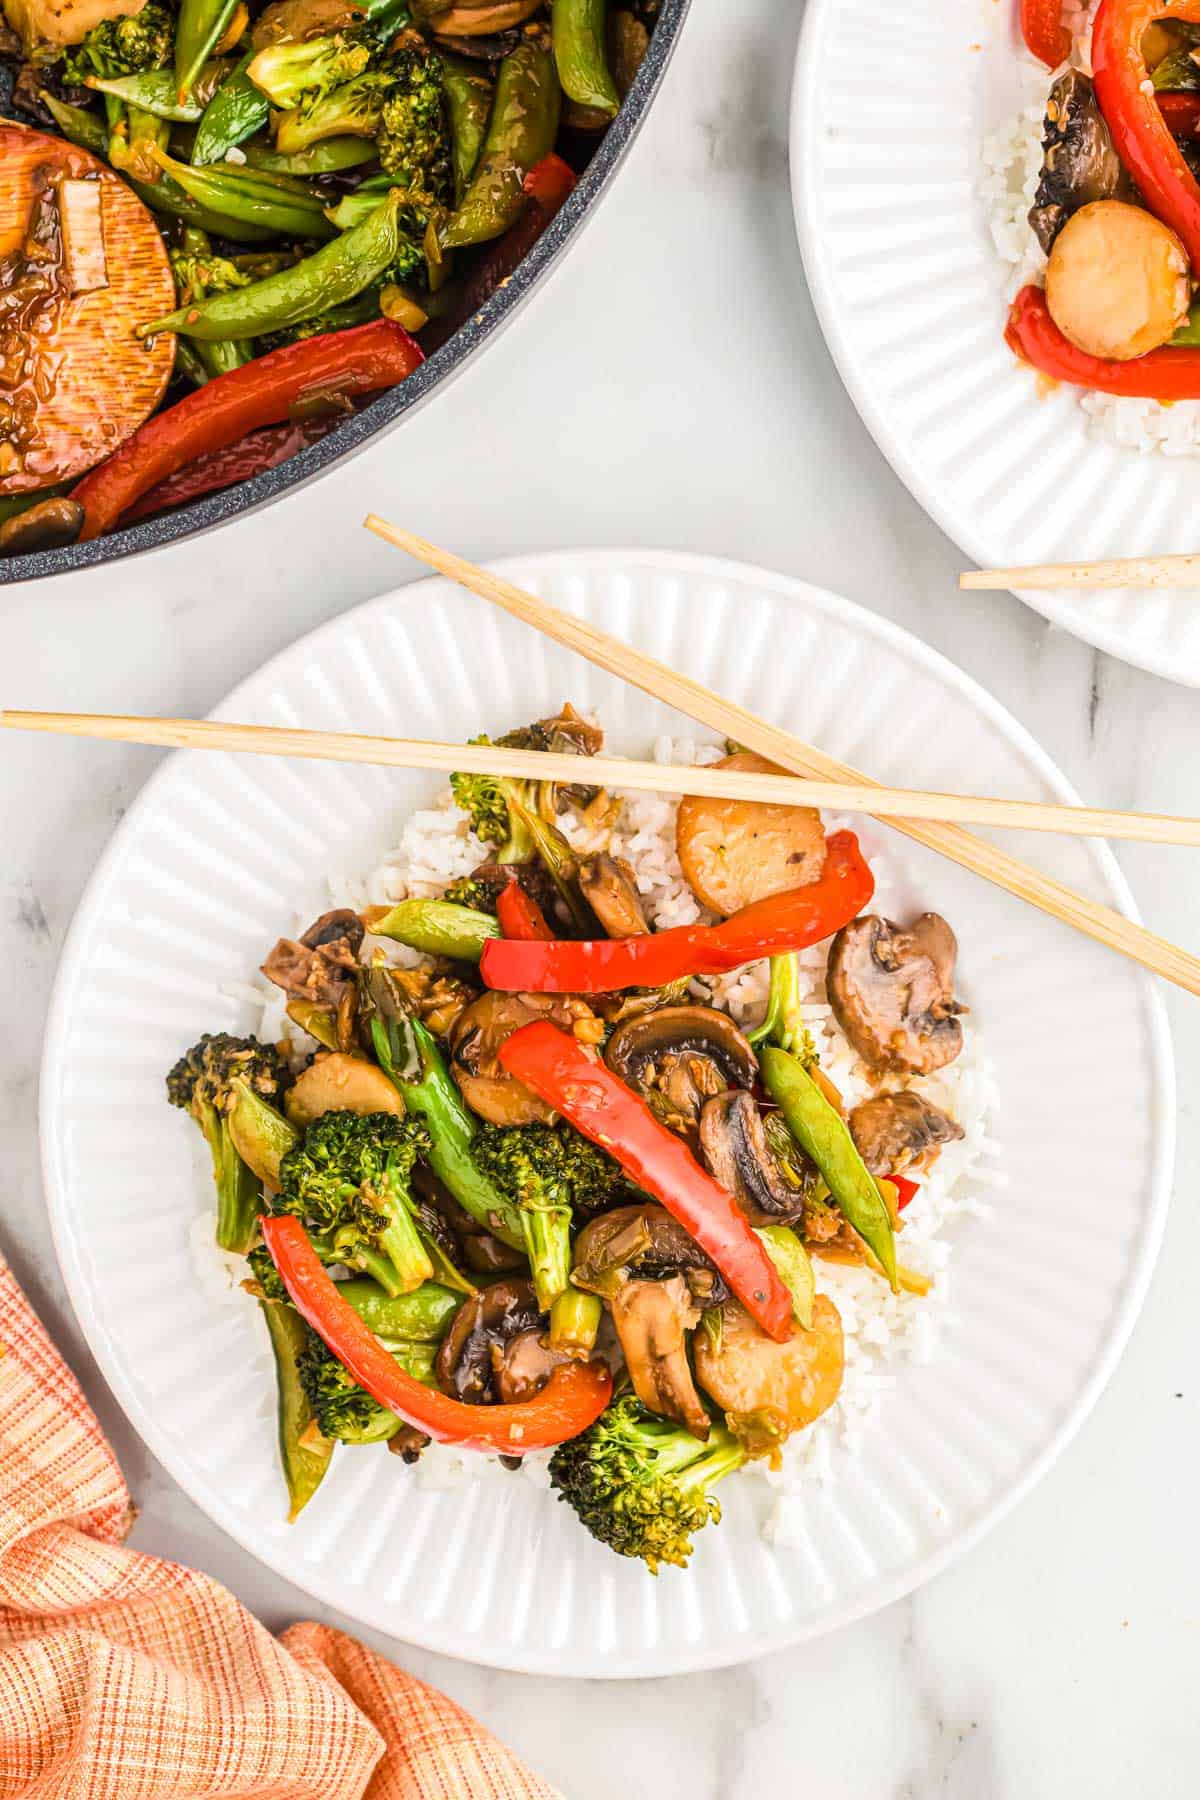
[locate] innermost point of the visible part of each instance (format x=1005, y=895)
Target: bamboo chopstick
x=602, y=771
x=1123, y=572
x=698, y=702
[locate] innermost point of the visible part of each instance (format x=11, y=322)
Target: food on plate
x=227, y=227
x=1094, y=196
x=623, y=1220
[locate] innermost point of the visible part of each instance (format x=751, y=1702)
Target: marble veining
x=669, y=386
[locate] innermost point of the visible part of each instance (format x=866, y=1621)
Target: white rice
x=881, y=1329
x=1011, y=160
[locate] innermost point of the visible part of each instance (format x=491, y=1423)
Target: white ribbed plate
x=217, y=856
x=890, y=104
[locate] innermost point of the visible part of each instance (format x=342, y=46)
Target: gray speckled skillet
x=441, y=367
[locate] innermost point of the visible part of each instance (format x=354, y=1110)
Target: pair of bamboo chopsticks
x=1118, y=572
x=932, y=819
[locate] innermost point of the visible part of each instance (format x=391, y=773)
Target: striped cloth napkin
x=126, y=1678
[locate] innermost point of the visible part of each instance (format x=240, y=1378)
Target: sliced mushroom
x=894, y=1131
x=475, y=1041
x=339, y=1083
x=652, y=1320
x=892, y=992
x=1079, y=163
x=768, y=1390
x=482, y=1253
x=679, y=1057
x=434, y=993
x=473, y=18
x=492, y=1352
x=608, y=888
x=734, y=1145
x=322, y=966
x=647, y=1243
x=734, y=852
x=47, y=525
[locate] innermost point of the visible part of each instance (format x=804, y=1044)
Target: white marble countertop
x=670, y=387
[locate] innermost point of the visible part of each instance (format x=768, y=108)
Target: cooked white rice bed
x=1011, y=160
x=881, y=1328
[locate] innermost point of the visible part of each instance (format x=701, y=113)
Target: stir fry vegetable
x=595, y=1222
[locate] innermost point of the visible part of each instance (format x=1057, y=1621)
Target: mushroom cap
x=736, y=1153
x=487, y=1335
x=608, y=887
x=894, y=1131
x=652, y=1321
x=683, y=1055
x=643, y=1241
x=892, y=992
x=475, y=1039
x=1079, y=162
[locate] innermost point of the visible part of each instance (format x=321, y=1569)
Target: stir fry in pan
x=518, y=1180
x=228, y=224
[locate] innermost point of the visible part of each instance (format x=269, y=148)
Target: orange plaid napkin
x=126, y=1678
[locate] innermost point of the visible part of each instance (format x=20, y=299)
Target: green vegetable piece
x=329, y=277
x=574, y=1321
x=153, y=91
x=204, y=1083
x=236, y=111
x=249, y=196
x=409, y=1056
x=521, y=131
x=794, y=1268
x=304, y=1465
x=579, y=53
x=1176, y=74
x=199, y=28
x=329, y=157
x=469, y=104
x=439, y=928
x=825, y=1136
x=261, y=1135
x=422, y=1317
x=87, y=129
x=167, y=197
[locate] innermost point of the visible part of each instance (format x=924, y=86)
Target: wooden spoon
x=81, y=262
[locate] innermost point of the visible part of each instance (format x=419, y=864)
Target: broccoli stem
x=401, y=1242
x=722, y=1455
x=304, y=1464
x=547, y=1232
x=782, y=1023
x=574, y=1321
x=238, y=1196
x=411, y=1060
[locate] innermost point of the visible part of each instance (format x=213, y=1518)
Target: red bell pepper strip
x=598, y=1104
x=218, y=469
x=1044, y=32
x=1181, y=114
x=1159, y=375
x=906, y=1190
x=263, y=392
x=785, y=922
x=573, y=1398
x=1139, y=132
x=520, y=915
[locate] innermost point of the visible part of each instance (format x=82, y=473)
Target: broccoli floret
x=354, y=108
x=641, y=1484
x=198, y=274
x=205, y=1082
x=289, y=73
x=414, y=130
x=549, y=1172
x=349, y=1184
x=340, y=1407
x=144, y=40
x=266, y=1276
x=470, y=891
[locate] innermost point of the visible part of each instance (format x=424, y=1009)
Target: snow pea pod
x=236, y=111
x=439, y=928
x=87, y=129
x=246, y=197
x=521, y=131
x=328, y=157
x=420, y=1317
x=469, y=103
x=168, y=198
x=305, y=1457
x=824, y=1136
x=200, y=26
x=336, y=273
x=580, y=56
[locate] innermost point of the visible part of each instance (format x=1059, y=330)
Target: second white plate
x=218, y=856
x=889, y=109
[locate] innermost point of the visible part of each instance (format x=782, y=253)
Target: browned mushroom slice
x=734, y=852
x=45, y=526
x=1079, y=163
x=322, y=966
x=892, y=992
x=734, y=1145
x=608, y=888
x=652, y=1320
x=475, y=1041
x=493, y=1353
x=768, y=1390
x=339, y=1083
x=473, y=18
x=679, y=1057
x=894, y=1131
x=643, y=1241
